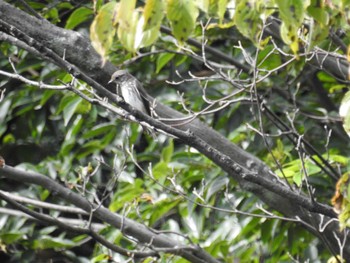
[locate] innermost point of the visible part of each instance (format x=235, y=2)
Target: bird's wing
x=140, y=90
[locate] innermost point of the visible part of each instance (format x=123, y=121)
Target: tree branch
x=83, y=62
x=127, y=226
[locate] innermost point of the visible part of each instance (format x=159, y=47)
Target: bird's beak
x=111, y=80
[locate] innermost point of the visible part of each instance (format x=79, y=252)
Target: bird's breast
x=132, y=97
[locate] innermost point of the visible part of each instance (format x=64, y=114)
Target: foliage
x=275, y=110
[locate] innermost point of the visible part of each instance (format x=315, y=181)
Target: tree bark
x=251, y=173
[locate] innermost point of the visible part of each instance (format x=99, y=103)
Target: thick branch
x=127, y=226
x=80, y=55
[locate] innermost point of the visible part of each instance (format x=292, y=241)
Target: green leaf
x=182, y=15
x=221, y=4
x=136, y=30
x=127, y=20
x=292, y=14
x=10, y=237
x=298, y=178
x=162, y=60
x=168, y=151
x=44, y=194
x=319, y=14
x=288, y=172
x=47, y=230
x=148, y=37
x=108, y=138
x=46, y=95
x=70, y=108
x=337, y=88
x=216, y=185
x=89, y=148
x=179, y=60
x=153, y=14
x=289, y=35
x=267, y=60
x=79, y=16
x=9, y=138
x=100, y=129
x=247, y=19
x=126, y=194
x=204, y=5
x=101, y=257
x=102, y=31
x=4, y=108
x=160, y=170
x=291, y=11
x=162, y=208
x=216, y=8
x=343, y=160
x=46, y=242
x=75, y=128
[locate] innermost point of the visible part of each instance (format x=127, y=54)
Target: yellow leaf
x=153, y=14
x=102, y=31
x=182, y=15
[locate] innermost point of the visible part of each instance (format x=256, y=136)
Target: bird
x=132, y=90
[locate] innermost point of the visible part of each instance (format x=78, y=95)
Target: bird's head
x=119, y=75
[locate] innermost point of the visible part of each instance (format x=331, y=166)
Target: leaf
x=46, y=95
x=126, y=194
x=217, y=8
x=153, y=14
x=47, y=230
x=340, y=159
x=97, y=130
x=46, y=242
x=148, y=37
x=4, y=108
x=102, y=30
x=168, y=151
x=344, y=112
x=319, y=14
x=136, y=30
x=162, y=208
x=67, y=146
x=70, y=108
x=292, y=13
x=162, y=60
x=267, y=60
x=74, y=128
x=88, y=148
x=109, y=137
x=101, y=257
x=10, y=237
x=127, y=21
x=79, y=16
x=182, y=15
x=203, y=5
x=216, y=185
x=194, y=224
x=288, y=172
x=160, y=171
x=221, y=4
x=9, y=138
x=298, y=179
x=247, y=19
x=125, y=13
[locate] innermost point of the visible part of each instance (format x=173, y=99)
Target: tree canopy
x=244, y=156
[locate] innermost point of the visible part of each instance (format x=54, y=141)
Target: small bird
x=131, y=90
